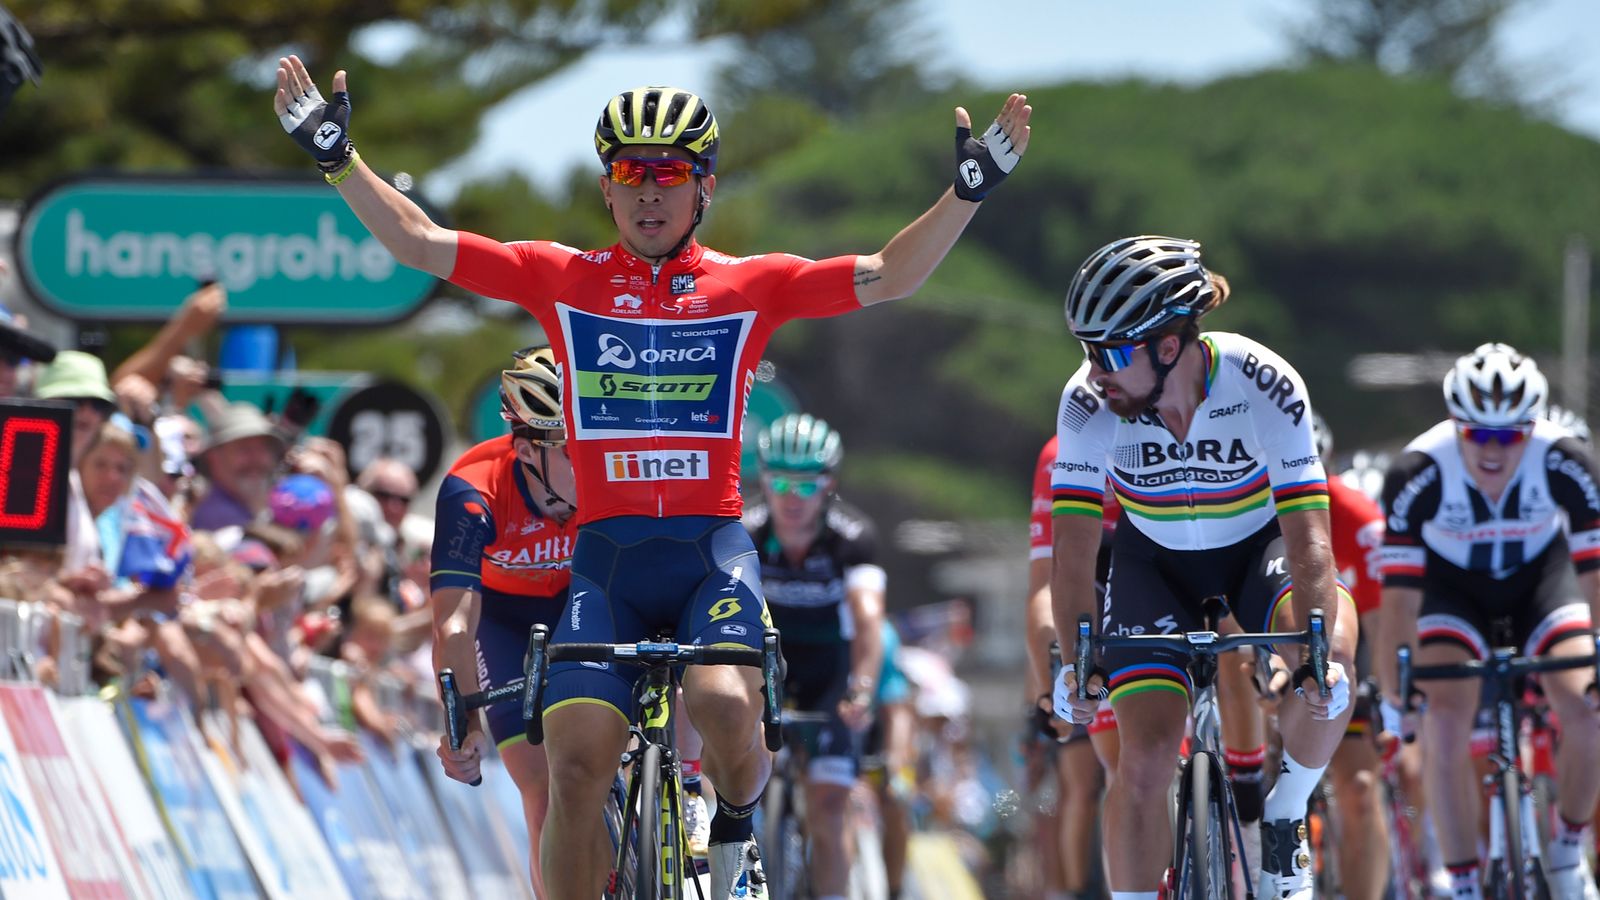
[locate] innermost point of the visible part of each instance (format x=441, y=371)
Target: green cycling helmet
x=799, y=442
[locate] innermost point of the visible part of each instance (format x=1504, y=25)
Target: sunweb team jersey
x=1435, y=509
x=808, y=600
x=657, y=362
x=1249, y=454
x=491, y=536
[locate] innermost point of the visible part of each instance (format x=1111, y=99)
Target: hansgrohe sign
x=130, y=248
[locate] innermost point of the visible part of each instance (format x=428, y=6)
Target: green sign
x=289, y=251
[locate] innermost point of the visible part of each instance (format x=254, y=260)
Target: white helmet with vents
x=1495, y=386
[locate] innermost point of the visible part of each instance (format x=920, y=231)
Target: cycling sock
x=1464, y=881
x=1290, y=795
x=733, y=824
x=691, y=776
x=1566, y=845
x=1244, y=772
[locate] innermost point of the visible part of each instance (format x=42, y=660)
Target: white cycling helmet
x=1495, y=386
x=1134, y=286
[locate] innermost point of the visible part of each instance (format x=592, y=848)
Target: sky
x=1034, y=42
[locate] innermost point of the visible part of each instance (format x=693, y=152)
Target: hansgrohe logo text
x=237, y=260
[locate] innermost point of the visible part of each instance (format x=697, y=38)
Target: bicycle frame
x=1515, y=856
x=1203, y=648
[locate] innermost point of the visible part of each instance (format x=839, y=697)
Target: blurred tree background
x=1398, y=189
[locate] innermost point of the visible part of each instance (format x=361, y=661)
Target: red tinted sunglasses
x=1479, y=434
x=630, y=171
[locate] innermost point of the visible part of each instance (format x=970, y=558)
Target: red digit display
x=35, y=445
x=44, y=465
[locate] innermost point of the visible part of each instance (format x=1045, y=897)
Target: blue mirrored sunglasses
x=1111, y=357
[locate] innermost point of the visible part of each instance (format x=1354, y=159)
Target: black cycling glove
x=982, y=163
x=320, y=127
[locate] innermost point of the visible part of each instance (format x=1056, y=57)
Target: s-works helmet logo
x=614, y=351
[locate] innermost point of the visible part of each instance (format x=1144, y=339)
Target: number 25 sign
x=35, y=448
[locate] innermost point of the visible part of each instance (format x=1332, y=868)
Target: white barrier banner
x=28, y=867
x=100, y=749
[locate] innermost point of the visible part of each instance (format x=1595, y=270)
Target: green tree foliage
x=1451, y=38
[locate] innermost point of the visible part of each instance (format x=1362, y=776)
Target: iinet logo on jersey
x=658, y=465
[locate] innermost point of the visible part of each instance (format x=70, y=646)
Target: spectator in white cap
x=239, y=458
x=79, y=377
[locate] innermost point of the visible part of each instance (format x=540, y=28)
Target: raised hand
x=321, y=128
x=983, y=162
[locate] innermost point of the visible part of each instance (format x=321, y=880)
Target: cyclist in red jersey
x=1363, y=843
x=502, y=561
x=1077, y=778
x=658, y=338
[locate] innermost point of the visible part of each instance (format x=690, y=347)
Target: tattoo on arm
x=865, y=276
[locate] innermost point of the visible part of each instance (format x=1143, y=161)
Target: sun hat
x=71, y=375
x=236, y=422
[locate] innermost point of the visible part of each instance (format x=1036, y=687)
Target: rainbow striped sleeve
x=1076, y=501
x=1301, y=495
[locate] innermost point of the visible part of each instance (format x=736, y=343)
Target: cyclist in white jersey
x=1494, y=514
x=1206, y=439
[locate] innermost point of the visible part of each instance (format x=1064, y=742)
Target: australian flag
x=156, y=551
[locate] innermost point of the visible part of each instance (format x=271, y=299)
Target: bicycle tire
x=647, y=883
x=1206, y=867
x=1511, y=805
x=623, y=831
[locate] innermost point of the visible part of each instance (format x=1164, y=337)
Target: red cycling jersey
x=1040, y=537
x=1357, y=543
x=657, y=361
x=489, y=531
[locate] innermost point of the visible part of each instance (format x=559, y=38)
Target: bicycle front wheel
x=647, y=883
x=1511, y=806
x=1206, y=870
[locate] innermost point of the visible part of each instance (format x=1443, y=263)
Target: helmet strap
x=699, y=213
x=537, y=473
x=1162, y=369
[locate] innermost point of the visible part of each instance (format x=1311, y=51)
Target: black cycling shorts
x=1152, y=589
x=1535, y=606
x=817, y=677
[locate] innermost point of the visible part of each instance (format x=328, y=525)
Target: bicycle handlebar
x=541, y=653
x=1503, y=663
x=1206, y=643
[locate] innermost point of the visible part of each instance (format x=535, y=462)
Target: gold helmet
x=530, y=396
x=658, y=117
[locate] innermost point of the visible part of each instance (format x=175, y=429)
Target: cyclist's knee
x=723, y=702
x=583, y=744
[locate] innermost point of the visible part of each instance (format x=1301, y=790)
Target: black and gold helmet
x=530, y=397
x=658, y=117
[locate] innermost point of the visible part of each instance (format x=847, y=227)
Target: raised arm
x=981, y=163
x=320, y=128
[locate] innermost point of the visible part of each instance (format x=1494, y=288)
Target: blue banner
x=422, y=834
x=216, y=864
x=363, y=825
x=467, y=812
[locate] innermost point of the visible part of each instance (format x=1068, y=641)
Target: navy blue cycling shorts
x=504, y=626
x=634, y=578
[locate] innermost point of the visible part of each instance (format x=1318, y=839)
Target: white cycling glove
x=1338, y=694
x=1063, y=697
